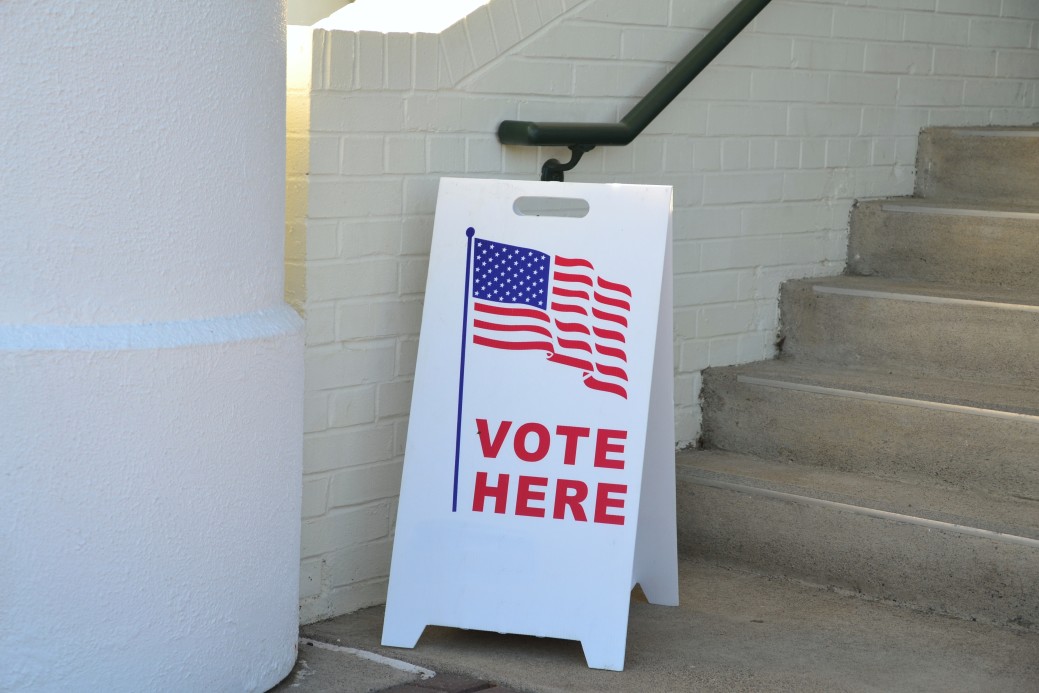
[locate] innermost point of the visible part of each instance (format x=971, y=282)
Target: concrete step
x=733, y=632
x=928, y=240
x=961, y=554
x=994, y=165
x=917, y=327
x=960, y=434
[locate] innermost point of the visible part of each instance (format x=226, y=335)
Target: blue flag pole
x=469, y=233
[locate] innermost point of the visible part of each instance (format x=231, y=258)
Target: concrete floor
x=733, y=632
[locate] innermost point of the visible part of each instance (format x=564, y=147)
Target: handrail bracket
x=553, y=169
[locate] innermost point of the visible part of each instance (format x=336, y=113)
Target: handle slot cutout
x=571, y=207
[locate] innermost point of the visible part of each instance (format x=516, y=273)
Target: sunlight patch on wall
x=298, y=71
x=307, y=12
x=408, y=16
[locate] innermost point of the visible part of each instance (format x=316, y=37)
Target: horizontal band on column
x=264, y=324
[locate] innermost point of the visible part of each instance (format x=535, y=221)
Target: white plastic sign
x=539, y=483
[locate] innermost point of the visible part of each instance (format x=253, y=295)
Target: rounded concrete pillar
x=150, y=374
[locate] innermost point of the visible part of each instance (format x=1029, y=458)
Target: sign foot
x=606, y=653
x=403, y=635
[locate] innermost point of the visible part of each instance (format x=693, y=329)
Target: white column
x=150, y=374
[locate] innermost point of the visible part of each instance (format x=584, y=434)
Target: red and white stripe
x=590, y=317
x=584, y=327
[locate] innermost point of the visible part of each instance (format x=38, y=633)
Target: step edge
x=984, y=393
x=860, y=510
x=887, y=399
x=923, y=298
x=1024, y=131
x=948, y=210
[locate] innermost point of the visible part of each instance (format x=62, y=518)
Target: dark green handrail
x=583, y=137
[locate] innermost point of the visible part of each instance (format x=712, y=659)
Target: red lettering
x=499, y=493
x=604, y=447
x=604, y=502
x=524, y=494
x=520, y=444
x=570, y=493
x=571, y=434
x=568, y=502
x=491, y=448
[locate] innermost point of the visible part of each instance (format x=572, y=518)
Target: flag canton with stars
x=510, y=274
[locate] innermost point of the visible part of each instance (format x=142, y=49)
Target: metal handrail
x=583, y=137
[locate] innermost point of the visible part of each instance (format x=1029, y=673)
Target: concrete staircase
x=892, y=450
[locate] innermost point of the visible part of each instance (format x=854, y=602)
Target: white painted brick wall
x=819, y=102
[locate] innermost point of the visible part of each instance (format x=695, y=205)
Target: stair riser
x=942, y=339
x=956, y=249
x=991, y=168
x=961, y=450
x=938, y=570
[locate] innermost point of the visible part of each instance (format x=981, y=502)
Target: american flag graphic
x=527, y=300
